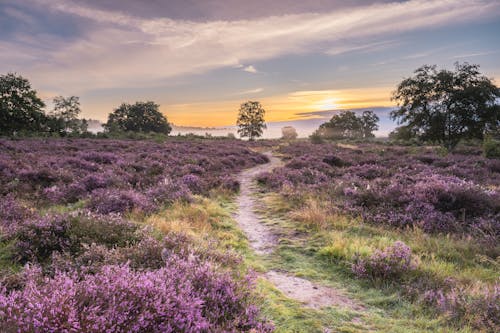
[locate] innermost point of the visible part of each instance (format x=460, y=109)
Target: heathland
x=222, y=235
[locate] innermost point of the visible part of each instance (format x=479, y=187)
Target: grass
x=321, y=252
x=319, y=244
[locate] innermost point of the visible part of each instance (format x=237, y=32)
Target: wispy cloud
x=250, y=69
x=364, y=47
x=107, y=54
x=251, y=91
x=477, y=54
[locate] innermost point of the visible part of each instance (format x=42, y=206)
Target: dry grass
x=194, y=219
x=313, y=214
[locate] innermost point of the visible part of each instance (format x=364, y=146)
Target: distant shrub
x=388, y=264
x=316, y=138
x=289, y=133
x=491, y=148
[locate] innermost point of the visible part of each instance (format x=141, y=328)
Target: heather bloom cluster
x=183, y=296
x=396, y=186
x=120, y=176
x=391, y=263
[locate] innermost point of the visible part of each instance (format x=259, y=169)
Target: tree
x=369, y=124
x=20, y=107
x=289, y=133
x=251, y=120
x=402, y=133
x=447, y=106
x=66, y=112
x=346, y=125
x=138, y=117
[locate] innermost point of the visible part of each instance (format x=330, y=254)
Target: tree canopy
x=289, y=133
x=446, y=106
x=20, y=107
x=65, y=115
x=251, y=120
x=347, y=125
x=138, y=117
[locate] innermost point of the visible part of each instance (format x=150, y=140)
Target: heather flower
x=184, y=296
x=391, y=263
x=107, y=201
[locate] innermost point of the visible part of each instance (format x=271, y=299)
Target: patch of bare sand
x=312, y=295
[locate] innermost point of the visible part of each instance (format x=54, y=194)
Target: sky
x=201, y=59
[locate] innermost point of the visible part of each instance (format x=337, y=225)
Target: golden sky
x=278, y=107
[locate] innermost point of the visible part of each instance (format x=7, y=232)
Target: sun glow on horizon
x=283, y=107
x=327, y=104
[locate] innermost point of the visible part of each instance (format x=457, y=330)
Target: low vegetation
x=407, y=220
x=87, y=245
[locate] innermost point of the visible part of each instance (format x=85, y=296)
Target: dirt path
x=263, y=241
x=259, y=235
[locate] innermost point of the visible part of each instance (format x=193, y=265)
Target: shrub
x=109, y=230
x=105, y=201
x=491, y=148
x=479, y=308
x=391, y=263
x=36, y=239
x=168, y=191
x=12, y=211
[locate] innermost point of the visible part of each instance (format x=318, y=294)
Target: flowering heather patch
x=479, y=308
x=183, y=296
x=107, y=201
x=130, y=174
x=397, y=186
x=36, y=238
x=391, y=263
x=89, y=269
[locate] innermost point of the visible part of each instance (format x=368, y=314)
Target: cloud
x=122, y=50
x=476, y=54
x=250, y=69
x=251, y=91
x=364, y=47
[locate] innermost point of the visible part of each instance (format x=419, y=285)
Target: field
x=231, y=236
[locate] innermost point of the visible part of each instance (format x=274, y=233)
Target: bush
x=105, y=201
x=36, y=239
x=491, y=148
x=479, y=308
x=108, y=230
x=389, y=264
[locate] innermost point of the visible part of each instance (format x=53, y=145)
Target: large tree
x=446, y=106
x=20, y=107
x=138, y=117
x=65, y=115
x=347, y=125
x=251, y=120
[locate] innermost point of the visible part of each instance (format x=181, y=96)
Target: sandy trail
x=259, y=235
x=263, y=241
